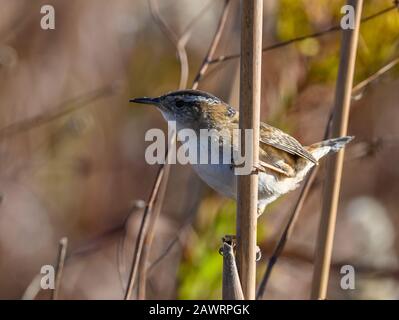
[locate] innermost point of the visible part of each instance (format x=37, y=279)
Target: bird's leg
x=232, y=240
x=258, y=254
x=257, y=168
x=260, y=209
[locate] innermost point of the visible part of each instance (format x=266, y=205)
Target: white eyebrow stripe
x=193, y=98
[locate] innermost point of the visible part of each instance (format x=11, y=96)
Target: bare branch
x=333, y=28
x=191, y=24
x=63, y=109
x=178, y=43
x=62, y=251
x=356, y=91
x=142, y=280
x=142, y=232
x=178, y=238
x=214, y=44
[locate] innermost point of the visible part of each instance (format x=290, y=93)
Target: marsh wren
x=283, y=161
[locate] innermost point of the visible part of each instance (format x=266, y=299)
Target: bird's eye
x=179, y=103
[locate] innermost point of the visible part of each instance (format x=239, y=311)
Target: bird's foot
x=231, y=240
x=258, y=254
x=257, y=168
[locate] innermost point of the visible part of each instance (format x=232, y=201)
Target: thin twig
x=19, y=23
x=143, y=271
x=333, y=28
x=62, y=251
x=33, y=288
x=178, y=42
x=63, y=109
x=178, y=238
x=305, y=256
x=168, y=248
x=142, y=231
x=189, y=27
x=137, y=205
x=214, y=44
x=363, y=84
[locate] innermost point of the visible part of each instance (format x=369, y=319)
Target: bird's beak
x=145, y=100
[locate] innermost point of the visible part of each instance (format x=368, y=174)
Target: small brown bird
x=283, y=161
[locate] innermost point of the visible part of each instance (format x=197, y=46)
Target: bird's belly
x=218, y=174
x=220, y=177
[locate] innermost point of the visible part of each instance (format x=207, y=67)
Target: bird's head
x=191, y=108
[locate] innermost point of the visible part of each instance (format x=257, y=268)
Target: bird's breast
x=214, y=165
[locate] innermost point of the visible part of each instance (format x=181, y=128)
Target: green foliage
x=377, y=42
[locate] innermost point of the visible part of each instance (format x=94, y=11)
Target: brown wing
x=275, y=137
x=278, y=150
x=276, y=160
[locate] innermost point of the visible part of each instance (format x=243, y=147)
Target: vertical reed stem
x=344, y=84
x=250, y=85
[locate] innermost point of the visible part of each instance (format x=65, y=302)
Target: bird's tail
x=320, y=149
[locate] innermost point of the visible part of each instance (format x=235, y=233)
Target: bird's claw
x=258, y=254
x=256, y=169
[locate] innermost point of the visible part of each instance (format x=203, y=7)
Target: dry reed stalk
x=64, y=108
x=62, y=251
x=247, y=191
x=344, y=85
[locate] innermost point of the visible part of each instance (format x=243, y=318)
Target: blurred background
x=72, y=148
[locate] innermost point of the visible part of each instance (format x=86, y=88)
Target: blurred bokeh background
x=81, y=173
